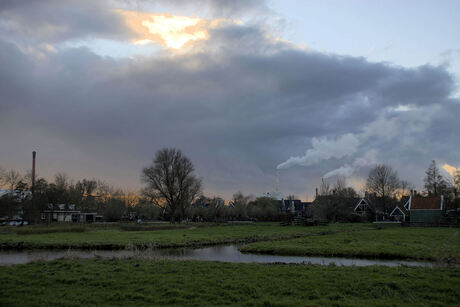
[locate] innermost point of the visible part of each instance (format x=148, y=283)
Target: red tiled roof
x=425, y=203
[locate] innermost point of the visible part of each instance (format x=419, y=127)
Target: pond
x=227, y=253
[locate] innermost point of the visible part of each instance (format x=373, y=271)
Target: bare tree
x=435, y=184
x=240, y=199
x=103, y=191
x=2, y=176
x=341, y=190
x=384, y=182
x=171, y=178
x=240, y=203
x=12, y=178
x=405, y=187
x=83, y=194
x=62, y=181
x=340, y=184
x=325, y=188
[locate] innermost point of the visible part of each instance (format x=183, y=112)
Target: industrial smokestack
x=34, y=155
x=277, y=181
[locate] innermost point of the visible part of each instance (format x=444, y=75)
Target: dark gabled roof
x=425, y=203
x=400, y=208
x=363, y=201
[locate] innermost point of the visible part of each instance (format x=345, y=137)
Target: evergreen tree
x=435, y=184
x=456, y=183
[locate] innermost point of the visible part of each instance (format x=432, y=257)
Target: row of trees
x=88, y=195
x=385, y=189
x=385, y=183
x=173, y=192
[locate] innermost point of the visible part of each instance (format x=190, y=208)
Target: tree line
x=385, y=190
x=173, y=192
x=87, y=195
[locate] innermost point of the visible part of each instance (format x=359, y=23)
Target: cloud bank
x=237, y=103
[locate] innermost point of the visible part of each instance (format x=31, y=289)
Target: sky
x=319, y=89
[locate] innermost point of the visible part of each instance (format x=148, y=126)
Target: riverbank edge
x=360, y=255
x=22, y=245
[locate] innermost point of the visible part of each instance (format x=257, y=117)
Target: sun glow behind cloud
x=176, y=31
x=451, y=169
x=170, y=31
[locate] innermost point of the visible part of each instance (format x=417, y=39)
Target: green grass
x=434, y=244
x=193, y=283
x=52, y=229
x=56, y=227
x=113, y=238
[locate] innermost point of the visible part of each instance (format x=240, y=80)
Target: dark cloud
x=216, y=8
x=238, y=104
x=55, y=21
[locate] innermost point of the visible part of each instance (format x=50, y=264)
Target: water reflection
x=229, y=253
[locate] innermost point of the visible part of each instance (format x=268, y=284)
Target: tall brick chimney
x=34, y=155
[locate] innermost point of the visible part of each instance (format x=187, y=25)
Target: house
x=425, y=210
x=68, y=213
x=294, y=206
x=399, y=213
x=364, y=207
x=367, y=210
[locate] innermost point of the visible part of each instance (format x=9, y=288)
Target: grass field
x=114, y=237
x=194, y=283
x=435, y=244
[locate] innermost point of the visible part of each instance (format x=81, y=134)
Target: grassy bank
x=434, y=244
x=190, y=283
x=116, y=238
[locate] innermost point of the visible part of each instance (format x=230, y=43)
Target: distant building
x=399, y=213
x=425, y=210
x=364, y=207
x=274, y=195
x=296, y=207
x=67, y=214
x=367, y=209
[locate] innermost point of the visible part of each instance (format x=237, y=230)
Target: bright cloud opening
x=450, y=169
x=171, y=31
x=176, y=31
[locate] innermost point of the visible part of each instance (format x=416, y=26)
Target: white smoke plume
x=345, y=171
x=369, y=158
x=346, y=145
x=324, y=149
